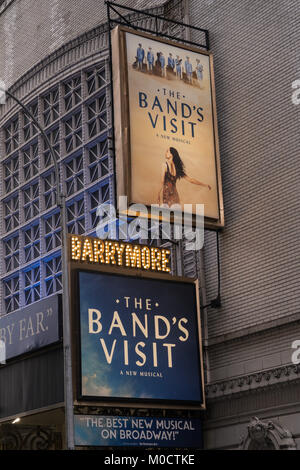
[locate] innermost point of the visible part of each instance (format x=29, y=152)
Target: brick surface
x=30, y=30
x=249, y=349
x=255, y=46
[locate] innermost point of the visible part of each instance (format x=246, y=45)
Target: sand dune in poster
x=168, y=111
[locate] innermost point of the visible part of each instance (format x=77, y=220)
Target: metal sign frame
x=122, y=155
x=122, y=122
x=75, y=308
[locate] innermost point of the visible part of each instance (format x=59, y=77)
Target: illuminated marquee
x=109, y=252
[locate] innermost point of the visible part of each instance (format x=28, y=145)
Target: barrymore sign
x=165, y=124
x=139, y=339
x=127, y=431
x=31, y=328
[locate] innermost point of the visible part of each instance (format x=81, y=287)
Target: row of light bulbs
x=94, y=250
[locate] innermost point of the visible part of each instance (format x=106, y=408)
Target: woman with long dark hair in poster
x=172, y=170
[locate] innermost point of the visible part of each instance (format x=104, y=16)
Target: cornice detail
x=253, y=381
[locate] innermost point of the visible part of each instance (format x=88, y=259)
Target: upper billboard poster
x=165, y=124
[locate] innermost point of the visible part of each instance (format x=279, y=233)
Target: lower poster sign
x=139, y=339
x=93, y=430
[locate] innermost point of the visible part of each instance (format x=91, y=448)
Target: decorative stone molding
x=253, y=381
x=126, y=411
x=267, y=435
x=15, y=437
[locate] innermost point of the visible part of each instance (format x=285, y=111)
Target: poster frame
x=122, y=123
x=80, y=399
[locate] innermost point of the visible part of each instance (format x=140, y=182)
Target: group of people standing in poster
x=172, y=65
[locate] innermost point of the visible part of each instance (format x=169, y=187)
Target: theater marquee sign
x=136, y=327
x=165, y=124
x=113, y=253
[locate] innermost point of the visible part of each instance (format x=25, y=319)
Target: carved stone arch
x=268, y=435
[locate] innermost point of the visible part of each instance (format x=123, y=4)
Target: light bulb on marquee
x=96, y=251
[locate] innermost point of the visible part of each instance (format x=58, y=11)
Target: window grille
x=29, y=128
x=11, y=173
x=11, y=213
x=11, y=294
x=74, y=175
x=51, y=106
x=31, y=233
x=11, y=135
x=72, y=92
x=30, y=161
x=96, y=78
x=73, y=132
x=11, y=253
x=32, y=285
x=98, y=161
x=96, y=116
x=52, y=231
x=96, y=197
x=31, y=201
x=49, y=190
x=53, y=280
x=31, y=243
x=53, y=137
x=75, y=217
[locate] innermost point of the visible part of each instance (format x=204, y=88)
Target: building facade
x=55, y=58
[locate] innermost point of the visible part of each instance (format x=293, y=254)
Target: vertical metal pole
x=219, y=265
x=111, y=137
x=204, y=312
x=179, y=258
x=68, y=384
x=207, y=40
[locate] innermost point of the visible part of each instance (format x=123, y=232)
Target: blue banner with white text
x=30, y=328
x=102, y=431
